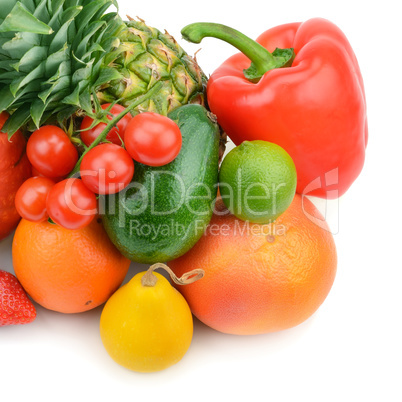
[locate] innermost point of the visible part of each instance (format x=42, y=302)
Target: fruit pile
x=112, y=151
x=103, y=168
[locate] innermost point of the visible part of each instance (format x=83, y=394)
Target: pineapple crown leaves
x=51, y=57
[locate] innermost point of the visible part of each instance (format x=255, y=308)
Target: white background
x=350, y=350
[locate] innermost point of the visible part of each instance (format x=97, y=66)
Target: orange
x=260, y=278
x=68, y=271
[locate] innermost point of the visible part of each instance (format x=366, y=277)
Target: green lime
x=257, y=181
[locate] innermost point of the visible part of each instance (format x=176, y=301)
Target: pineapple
x=62, y=58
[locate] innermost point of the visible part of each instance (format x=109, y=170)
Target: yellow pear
x=147, y=325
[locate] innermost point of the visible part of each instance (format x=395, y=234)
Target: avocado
x=165, y=210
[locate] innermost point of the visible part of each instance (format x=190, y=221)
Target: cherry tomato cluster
x=105, y=168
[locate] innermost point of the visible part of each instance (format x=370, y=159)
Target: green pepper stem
x=102, y=136
x=262, y=60
x=260, y=56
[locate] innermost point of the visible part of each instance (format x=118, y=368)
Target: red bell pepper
x=313, y=105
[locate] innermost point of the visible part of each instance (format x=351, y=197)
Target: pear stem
x=149, y=279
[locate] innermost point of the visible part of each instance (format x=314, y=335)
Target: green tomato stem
x=102, y=136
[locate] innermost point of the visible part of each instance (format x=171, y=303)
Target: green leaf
x=55, y=59
x=73, y=98
x=70, y=13
x=116, y=4
x=44, y=95
x=102, y=10
x=55, y=6
x=82, y=74
x=85, y=100
x=70, y=3
x=95, y=47
x=29, y=5
x=114, y=25
x=17, y=120
x=92, y=11
x=78, y=62
x=96, y=68
x=59, y=82
x=107, y=74
x=37, y=72
x=20, y=19
x=84, y=18
x=6, y=7
x=5, y=37
x=41, y=12
x=110, y=43
x=65, y=114
x=56, y=12
x=37, y=110
x=8, y=65
x=82, y=47
x=60, y=39
x=64, y=69
x=6, y=98
x=8, y=101
x=31, y=59
x=9, y=76
x=20, y=44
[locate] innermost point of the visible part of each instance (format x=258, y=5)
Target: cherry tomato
x=152, y=139
x=88, y=136
x=51, y=152
x=37, y=173
x=107, y=169
x=70, y=204
x=30, y=200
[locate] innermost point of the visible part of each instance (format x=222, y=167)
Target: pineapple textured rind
x=145, y=56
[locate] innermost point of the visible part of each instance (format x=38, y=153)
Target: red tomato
x=88, y=136
x=51, y=152
x=30, y=200
x=70, y=204
x=37, y=173
x=152, y=139
x=107, y=169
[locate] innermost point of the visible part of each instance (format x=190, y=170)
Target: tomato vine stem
x=102, y=136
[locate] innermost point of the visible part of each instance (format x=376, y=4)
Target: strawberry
x=15, y=307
